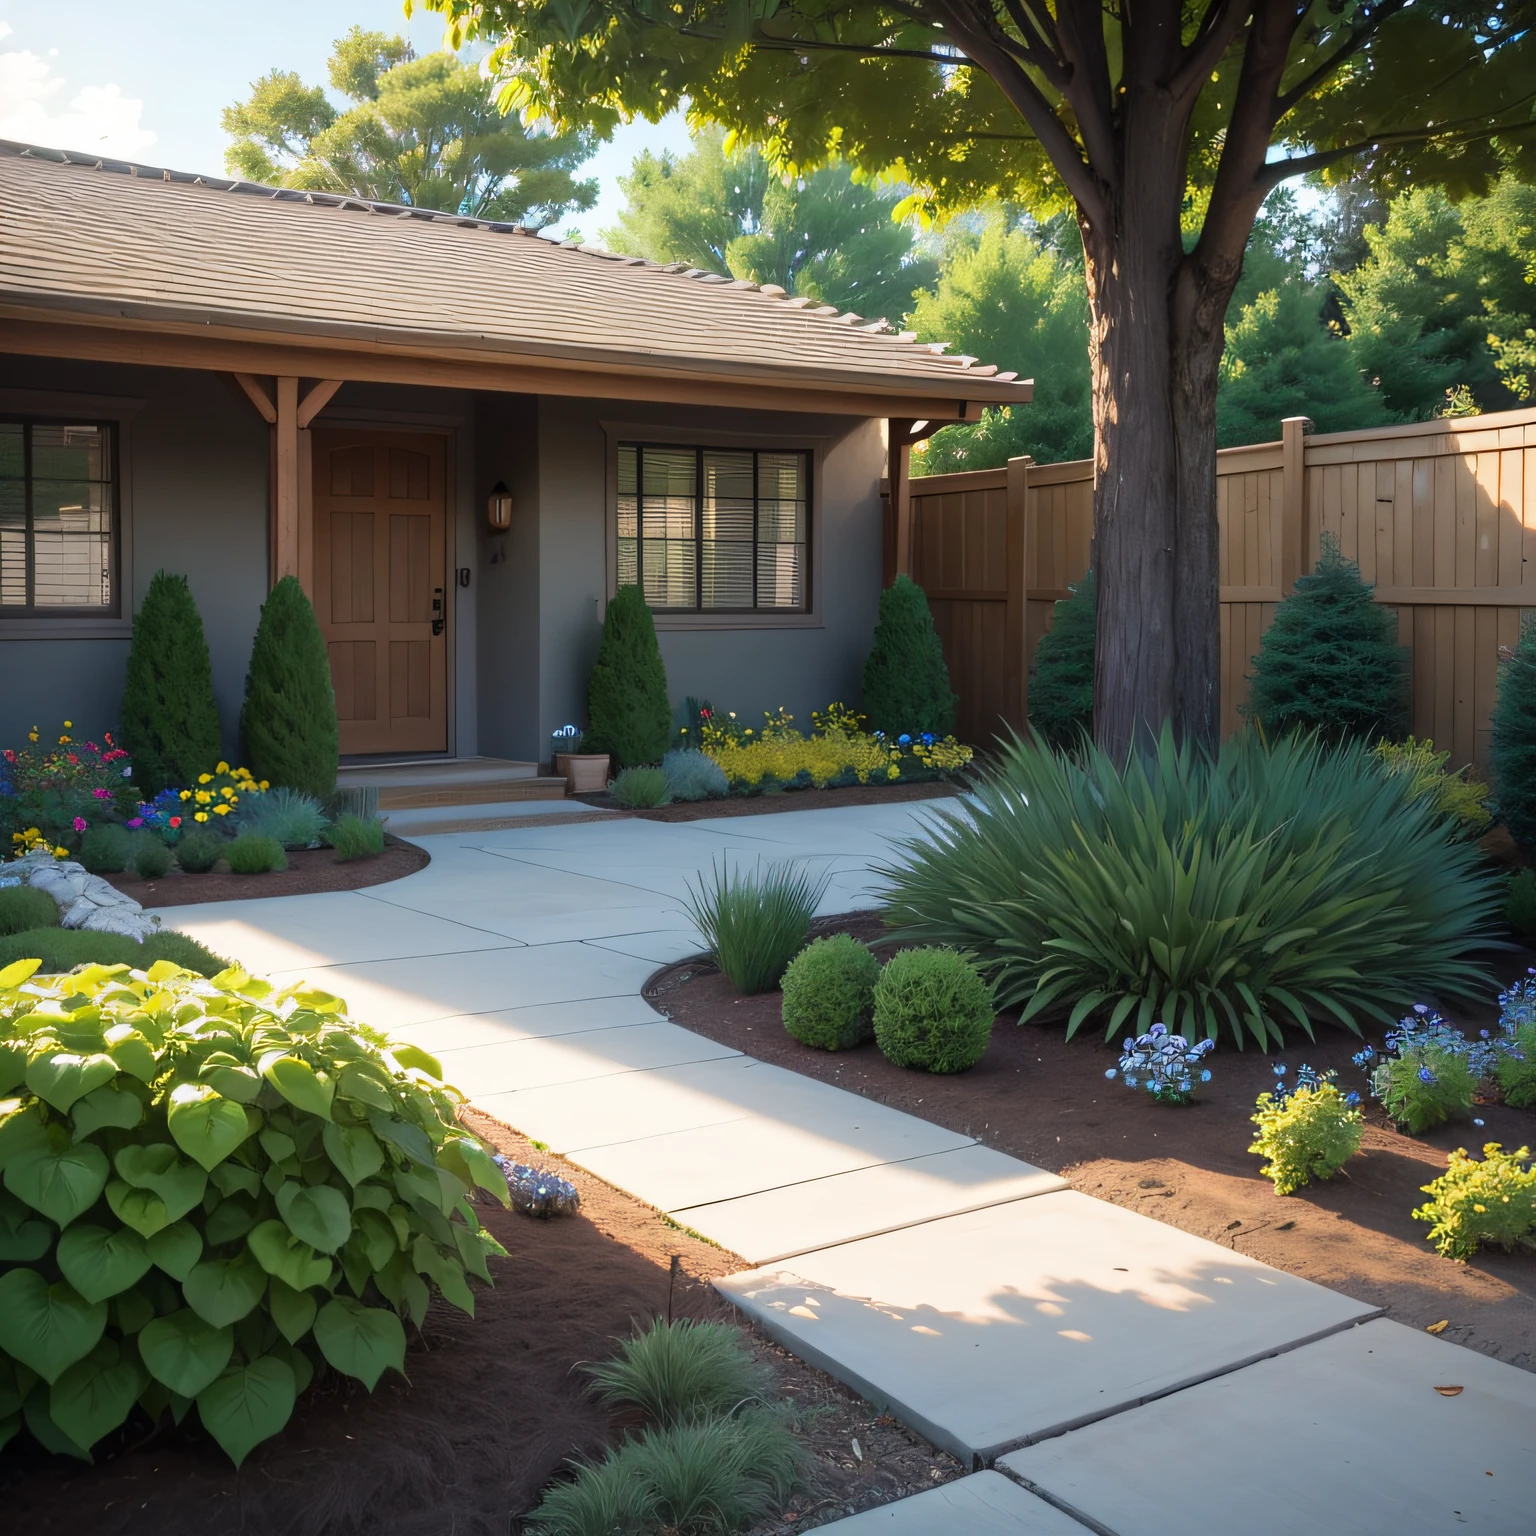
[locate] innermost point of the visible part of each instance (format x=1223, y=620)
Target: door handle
x=437, y=611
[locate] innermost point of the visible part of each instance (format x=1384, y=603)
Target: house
x=237, y=383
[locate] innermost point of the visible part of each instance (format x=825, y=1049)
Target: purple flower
x=101, y=794
x=135, y=821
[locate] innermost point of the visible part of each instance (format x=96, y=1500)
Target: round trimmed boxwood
x=22, y=908
x=829, y=993
x=253, y=854
x=932, y=1011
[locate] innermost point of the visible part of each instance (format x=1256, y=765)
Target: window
x=713, y=530
x=58, y=519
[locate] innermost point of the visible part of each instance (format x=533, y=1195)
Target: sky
x=146, y=80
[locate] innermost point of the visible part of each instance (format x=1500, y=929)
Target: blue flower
x=1421, y=1008
x=1477, y=1122
x=1425, y=1075
x=1158, y=1030
x=903, y=739
x=1279, y=1069
x=1205, y=1076
x=1351, y=1098
x=1111, y=1073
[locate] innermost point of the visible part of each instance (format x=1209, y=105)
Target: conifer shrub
x=627, y=692
x=212, y=1190
x=906, y=681
x=1330, y=661
x=22, y=908
x=1512, y=749
x=932, y=1011
x=170, y=723
x=288, y=724
x=253, y=854
x=1061, y=690
x=104, y=850
x=829, y=993
x=1520, y=904
x=148, y=857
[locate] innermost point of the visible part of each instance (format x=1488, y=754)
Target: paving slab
x=984, y=1504
x=780, y=1223
x=992, y=1329
x=1349, y=1435
x=536, y=1022
x=666, y=946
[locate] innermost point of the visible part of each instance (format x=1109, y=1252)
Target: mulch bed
x=1042, y=1098
x=492, y=1409
x=309, y=870
x=784, y=800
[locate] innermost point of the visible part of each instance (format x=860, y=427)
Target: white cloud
x=97, y=118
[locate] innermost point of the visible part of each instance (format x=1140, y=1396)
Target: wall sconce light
x=498, y=507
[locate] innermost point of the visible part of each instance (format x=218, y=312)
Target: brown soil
x=784, y=800
x=1045, y=1099
x=492, y=1409
x=309, y=869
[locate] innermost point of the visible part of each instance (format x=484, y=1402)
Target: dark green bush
x=932, y=1011
x=755, y=924
x=627, y=693
x=62, y=949
x=209, y=1198
x=197, y=851
x=22, y=908
x=640, y=789
x=148, y=857
x=104, y=850
x=356, y=837
x=1330, y=661
x=906, y=682
x=1512, y=749
x=1264, y=884
x=251, y=854
x=829, y=993
x=1061, y=689
x=288, y=723
x=170, y=724
x=1520, y=904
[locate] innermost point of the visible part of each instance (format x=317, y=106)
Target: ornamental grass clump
x=287, y=816
x=356, y=837
x=691, y=775
x=252, y=854
x=640, y=789
x=214, y=1189
x=1233, y=891
x=1167, y=1065
x=678, y=1371
x=754, y=924
x=1306, y=1132
x=829, y=993
x=22, y=908
x=932, y=1011
x=1481, y=1204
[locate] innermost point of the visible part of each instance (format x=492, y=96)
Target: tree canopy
x=826, y=236
x=423, y=132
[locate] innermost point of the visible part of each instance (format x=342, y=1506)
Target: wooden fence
x=1441, y=516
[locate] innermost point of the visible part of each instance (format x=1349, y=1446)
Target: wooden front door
x=380, y=585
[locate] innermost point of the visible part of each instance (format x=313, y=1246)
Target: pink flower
x=81, y=823
x=135, y=821
x=102, y=794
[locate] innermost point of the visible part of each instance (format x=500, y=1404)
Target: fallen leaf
x=858, y=1455
x=1439, y=1327
x=1449, y=1391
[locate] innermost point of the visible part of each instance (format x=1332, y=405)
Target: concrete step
x=477, y=781
x=491, y=816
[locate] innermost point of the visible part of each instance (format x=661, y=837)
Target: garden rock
x=85, y=900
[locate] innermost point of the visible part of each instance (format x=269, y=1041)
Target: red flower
x=106, y=736
x=175, y=821
x=75, y=760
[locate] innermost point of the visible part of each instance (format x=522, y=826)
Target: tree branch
x=1089, y=90
x=1357, y=39
x=818, y=45
x=1222, y=21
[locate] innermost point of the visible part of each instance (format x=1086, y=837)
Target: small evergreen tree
x=1061, y=691
x=1512, y=750
x=1330, y=661
x=169, y=722
x=906, y=683
x=288, y=724
x=627, y=694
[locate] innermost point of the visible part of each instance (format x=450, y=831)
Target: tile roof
x=94, y=237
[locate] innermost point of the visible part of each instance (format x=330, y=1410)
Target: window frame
x=39, y=407
x=699, y=440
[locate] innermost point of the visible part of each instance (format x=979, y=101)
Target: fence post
x=1015, y=629
x=898, y=550
x=1293, y=499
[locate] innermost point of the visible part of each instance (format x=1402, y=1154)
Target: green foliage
x=825, y=237
x=104, y=849
x=198, y=851
x=906, y=683
x=1516, y=1070
x=1481, y=1204
x=22, y=908
x=1330, y=661
x=356, y=837
x=1462, y=801
x=1512, y=749
x=640, y=789
x=420, y=131
x=213, y=1190
x=754, y=924
x=1309, y=1135
x=627, y=693
x=1061, y=689
x=288, y=723
x=1423, y=1086
x=1230, y=892
x=62, y=949
x=170, y=724
x=287, y=816
x=693, y=775
x=829, y=993
x=932, y=1011
x=1520, y=904
x=148, y=857
x=681, y=1371
x=252, y=854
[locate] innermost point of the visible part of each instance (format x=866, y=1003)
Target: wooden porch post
x=1015, y=627
x=898, y=551
x=1293, y=502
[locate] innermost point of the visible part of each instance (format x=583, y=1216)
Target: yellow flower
x=264, y=785
x=32, y=734
x=222, y=768
x=200, y=816
x=227, y=792
x=205, y=778
x=63, y=741
x=61, y=853
x=203, y=797
x=186, y=794
x=221, y=810
x=69, y=725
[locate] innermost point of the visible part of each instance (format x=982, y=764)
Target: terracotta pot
x=586, y=773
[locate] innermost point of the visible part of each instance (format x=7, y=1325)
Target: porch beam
x=258, y=397
x=317, y=400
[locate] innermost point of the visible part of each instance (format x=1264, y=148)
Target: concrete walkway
x=1121, y=1375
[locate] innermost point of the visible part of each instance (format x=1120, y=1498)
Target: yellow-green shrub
x=1478, y=1204
x=211, y=1190
x=1460, y=800
x=1308, y=1134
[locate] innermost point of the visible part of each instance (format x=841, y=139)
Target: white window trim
x=118, y=411
x=686, y=436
